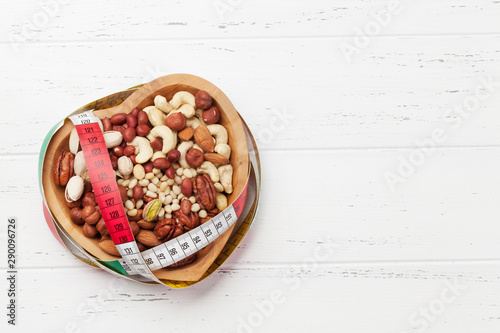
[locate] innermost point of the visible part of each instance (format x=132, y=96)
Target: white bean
x=187, y=173
x=130, y=193
x=168, y=209
x=195, y=207
x=161, y=213
x=152, y=187
x=139, y=203
x=129, y=204
x=178, y=180
x=163, y=186
x=175, y=201
x=151, y=194
x=149, y=175
x=132, y=212
x=120, y=181
x=164, y=178
x=155, y=180
x=132, y=183
x=176, y=189
x=175, y=207
x=179, y=171
x=170, y=182
x=168, y=199
x=156, y=171
x=168, y=216
x=126, y=182
x=144, y=182
x=180, y=196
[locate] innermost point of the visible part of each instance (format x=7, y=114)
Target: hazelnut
x=89, y=231
x=176, y=121
x=89, y=199
x=73, y=204
x=194, y=157
x=202, y=99
x=101, y=227
x=211, y=116
x=91, y=215
x=76, y=215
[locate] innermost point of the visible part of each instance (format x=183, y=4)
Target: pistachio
x=112, y=138
x=125, y=166
x=80, y=166
x=151, y=210
x=74, y=141
x=74, y=189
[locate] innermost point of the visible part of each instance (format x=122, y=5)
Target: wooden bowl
x=144, y=96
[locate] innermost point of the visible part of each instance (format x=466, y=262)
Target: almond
x=109, y=247
x=203, y=138
x=216, y=158
x=147, y=238
x=186, y=134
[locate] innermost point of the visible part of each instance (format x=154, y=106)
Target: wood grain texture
x=346, y=124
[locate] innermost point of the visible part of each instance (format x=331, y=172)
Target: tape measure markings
x=107, y=193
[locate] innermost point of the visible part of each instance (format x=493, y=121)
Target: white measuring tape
x=108, y=198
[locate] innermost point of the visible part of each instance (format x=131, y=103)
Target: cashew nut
x=199, y=114
x=183, y=148
x=210, y=169
x=182, y=97
x=187, y=110
x=112, y=138
x=219, y=132
x=125, y=166
x=156, y=116
x=193, y=122
x=226, y=177
x=145, y=150
x=220, y=201
x=162, y=104
x=157, y=154
x=168, y=136
x=223, y=149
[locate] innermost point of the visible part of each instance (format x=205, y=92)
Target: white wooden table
x=373, y=148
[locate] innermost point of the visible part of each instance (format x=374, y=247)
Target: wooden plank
x=446, y=210
x=33, y=21
x=352, y=298
x=395, y=94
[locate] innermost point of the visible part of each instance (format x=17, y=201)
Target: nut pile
x=171, y=160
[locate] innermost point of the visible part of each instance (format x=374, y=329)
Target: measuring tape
x=103, y=180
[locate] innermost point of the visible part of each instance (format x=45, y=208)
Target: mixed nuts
x=171, y=160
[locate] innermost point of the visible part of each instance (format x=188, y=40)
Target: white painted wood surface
x=394, y=252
